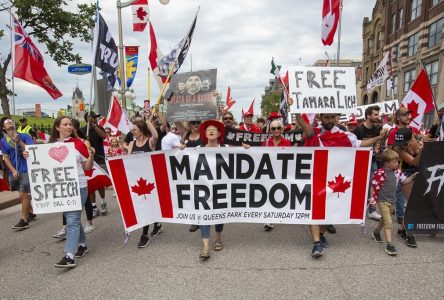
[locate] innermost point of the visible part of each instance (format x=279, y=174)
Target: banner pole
x=12, y=31
x=164, y=87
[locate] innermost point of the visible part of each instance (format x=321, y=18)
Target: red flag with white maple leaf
x=419, y=99
x=140, y=14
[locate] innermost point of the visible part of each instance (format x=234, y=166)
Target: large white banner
x=322, y=89
x=259, y=185
x=387, y=108
x=53, y=176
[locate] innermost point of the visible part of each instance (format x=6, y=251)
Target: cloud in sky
x=239, y=38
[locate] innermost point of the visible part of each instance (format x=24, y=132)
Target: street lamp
x=126, y=98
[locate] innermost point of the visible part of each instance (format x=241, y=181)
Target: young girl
x=114, y=148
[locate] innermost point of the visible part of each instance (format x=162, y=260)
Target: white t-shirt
x=170, y=141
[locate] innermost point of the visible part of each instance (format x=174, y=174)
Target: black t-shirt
x=364, y=133
x=160, y=134
x=97, y=143
x=129, y=138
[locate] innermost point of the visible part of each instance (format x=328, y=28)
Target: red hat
x=220, y=127
x=274, y=115
x=249, y=112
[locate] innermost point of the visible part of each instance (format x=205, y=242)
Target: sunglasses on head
x=276, y=128
x=195, y=122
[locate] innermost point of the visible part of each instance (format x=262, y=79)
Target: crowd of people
x=396, y=150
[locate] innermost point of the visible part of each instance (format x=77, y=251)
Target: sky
x=238, y=38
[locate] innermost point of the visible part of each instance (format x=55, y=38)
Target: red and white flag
x=229, y=102
x=43, y=136
x=419, y=99
x=309, y=118
x=140, y=14
x=154, y=56
x=330, y=19
x=117, y=118
x=97, y=179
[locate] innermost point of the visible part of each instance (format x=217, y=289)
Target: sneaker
x=317, y=251
x=144, y=241
x=61, y=234
x=21, y=225
x=103, y=209
x=377, y=236
x=410, y=241
x=88, y=228
x=66, y=262
x=331, y=229
x=374, y=216
x=390, y=250
x=31, y=217
x=402, y=234
x=323, y=241
x=193, y=228
x=81, y=251
x=204, y=254
x=268, y=227
x=157, y=230
x=96, y=212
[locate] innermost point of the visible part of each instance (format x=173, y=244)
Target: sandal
x=205, y=254
x=218, y=246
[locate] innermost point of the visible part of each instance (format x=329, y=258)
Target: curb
x=9, y=203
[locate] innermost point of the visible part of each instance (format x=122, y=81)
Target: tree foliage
x=270, y=103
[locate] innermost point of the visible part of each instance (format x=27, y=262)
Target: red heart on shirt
x=59, y=153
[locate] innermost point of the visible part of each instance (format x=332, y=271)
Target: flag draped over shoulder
x=330, y=19
x=105, y=52
x=29, y=63
x=140, y=14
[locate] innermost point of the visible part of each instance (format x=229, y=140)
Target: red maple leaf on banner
x=339, y=185
x=142, y=187
x=413, y=106
x=141, y=13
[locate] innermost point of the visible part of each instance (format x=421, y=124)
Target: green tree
x=270, y=103
x=50, y=23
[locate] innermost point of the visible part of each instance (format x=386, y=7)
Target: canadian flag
x=140, y=14
x=330, y=19
x=229, y=102
x=43, y=136
x=117, y=118
x=97, y=178
x=419, y=99
x=154, y=56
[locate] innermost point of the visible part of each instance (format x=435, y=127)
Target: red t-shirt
x=282, y=143
x=391, y=137
x=254, y=128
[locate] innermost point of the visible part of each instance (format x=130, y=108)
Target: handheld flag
x=116, y=118
x=229, y=102
x=154, y=56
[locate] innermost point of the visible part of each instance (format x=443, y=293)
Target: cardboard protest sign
x=236, y=137
x=425, y=207
x=54, y=179
x=292, y=185
x=387, y=108
x=193, y=96
x=322, y=89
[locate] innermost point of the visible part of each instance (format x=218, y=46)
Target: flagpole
x=149, y=85
x=93, y=73
x=339, y=32
x=13, y=63
x=164, y=87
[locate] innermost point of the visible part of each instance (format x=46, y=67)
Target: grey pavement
x=253, y=265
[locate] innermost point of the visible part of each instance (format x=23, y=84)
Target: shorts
x=387, y=209
x=20, y=184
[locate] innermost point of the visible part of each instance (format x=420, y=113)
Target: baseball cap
x=93, y=114
x=402, y=111
x=403, y=137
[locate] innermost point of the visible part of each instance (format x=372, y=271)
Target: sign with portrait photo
x=193, y=96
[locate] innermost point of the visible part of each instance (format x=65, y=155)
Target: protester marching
x=317, y=157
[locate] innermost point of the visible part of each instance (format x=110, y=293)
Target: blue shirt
x=9, y=149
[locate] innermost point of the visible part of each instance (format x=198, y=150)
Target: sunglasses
x=276, y=128
x=228, y=118
x=195, y=122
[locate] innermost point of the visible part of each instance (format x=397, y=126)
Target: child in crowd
x=383, y=189
x=114, y=147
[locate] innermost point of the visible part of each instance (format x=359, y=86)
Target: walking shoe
x=193, y=228
x=331, y=229
x=66, y=262
x=103, y=209
x=410, y=241
x=21, y=225
x=88, y=228
x=61, y=234
x=31, y=217
x=374, y=216
x=81, y=251
x=205, y=254
x=402, y=234
x=268, y=227
x=323, y=241
x=377, y=236
x=144, y=241
x=317, y=251
x=96, y=212
x=156, y=230
x=390, y=250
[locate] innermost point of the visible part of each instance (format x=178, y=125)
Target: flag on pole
x=381, y=73
x=330, y=20
x=29, y=63
x=284, y=108
x=154, y=56
x=178, y=53
x=131, y=56
x=106, y=56
x=419, y=99
x=229, y=102
x=140, y=14
x=97, y=179
x=117, y=119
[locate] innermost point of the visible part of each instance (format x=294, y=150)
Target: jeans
x=400, y=199
x=88, y=210
x=205, y=230
x=74, y=230
x=373, y=168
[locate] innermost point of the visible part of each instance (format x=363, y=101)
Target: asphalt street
x=253, y=265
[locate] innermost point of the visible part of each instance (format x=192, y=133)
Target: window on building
x=413, y=44
x=401, y=16
x=369, y=45
x=416, y=9
x=393, y=23
x=409, y=77
x=436, y=2
x=396, y=55
x=432, y=72
x=395, y=86
x=435, y=33
x=378, y=40
x=388, y=87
